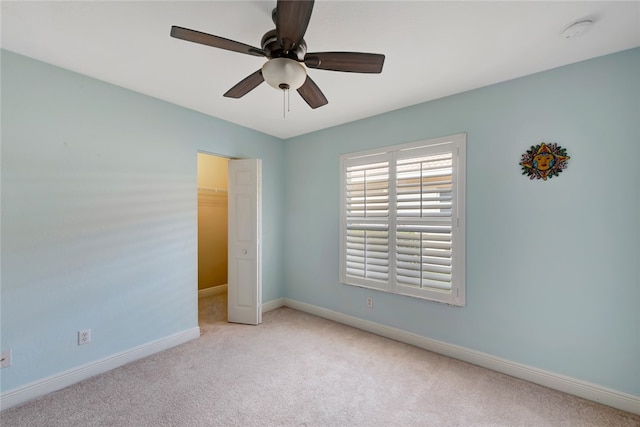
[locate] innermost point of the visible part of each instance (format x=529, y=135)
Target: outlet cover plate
x=84, y=336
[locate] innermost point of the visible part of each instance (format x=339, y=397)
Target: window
x=402, y=219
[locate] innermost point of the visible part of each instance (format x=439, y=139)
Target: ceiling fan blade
x=292, y=19
x=353, y=62
x=215, y=41
x=311, y=93
x=246, y=85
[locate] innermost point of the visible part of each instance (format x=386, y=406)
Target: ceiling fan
x=285, y=50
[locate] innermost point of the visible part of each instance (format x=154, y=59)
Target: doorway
x=213, y=193
x=230, y=235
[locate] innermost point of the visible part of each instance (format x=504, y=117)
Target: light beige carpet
x=299, y=370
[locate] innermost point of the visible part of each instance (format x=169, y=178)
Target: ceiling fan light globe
x=284, y=72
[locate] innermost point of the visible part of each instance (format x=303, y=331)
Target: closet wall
x=212, y=220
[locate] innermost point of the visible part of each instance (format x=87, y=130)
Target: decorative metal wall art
x=544, y=161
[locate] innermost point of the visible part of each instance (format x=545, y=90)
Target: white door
x=245, y=254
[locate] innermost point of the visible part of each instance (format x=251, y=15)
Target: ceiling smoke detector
x=577, y=29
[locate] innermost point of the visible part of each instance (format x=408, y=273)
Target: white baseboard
x=59, y=381
x=584, y=389
x=272, y=305
x=213, y=290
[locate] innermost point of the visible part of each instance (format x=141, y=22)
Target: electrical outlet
x=5, y=359
x=84, y=336
x=369, y=302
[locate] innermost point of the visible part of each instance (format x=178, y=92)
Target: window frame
x=454, y=144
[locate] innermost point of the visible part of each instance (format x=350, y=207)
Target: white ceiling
x=433, y=49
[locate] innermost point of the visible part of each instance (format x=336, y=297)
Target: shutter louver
x=367, y=208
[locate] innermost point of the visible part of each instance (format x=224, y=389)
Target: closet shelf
x=213, y=190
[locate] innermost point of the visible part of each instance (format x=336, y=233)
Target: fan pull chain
x=286, y=102
x=286, y=99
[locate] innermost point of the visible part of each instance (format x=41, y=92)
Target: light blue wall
x=553, y=276
x=99, y=219
x=99, y=216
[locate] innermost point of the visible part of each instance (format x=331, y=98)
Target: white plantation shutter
x=366, y=199
x=368, y=252
x=403, y=219
x=424, y=218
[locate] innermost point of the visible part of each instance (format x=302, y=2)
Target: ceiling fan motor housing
x=273, y=49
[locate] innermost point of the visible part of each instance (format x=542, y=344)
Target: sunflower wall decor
x=544, y=161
